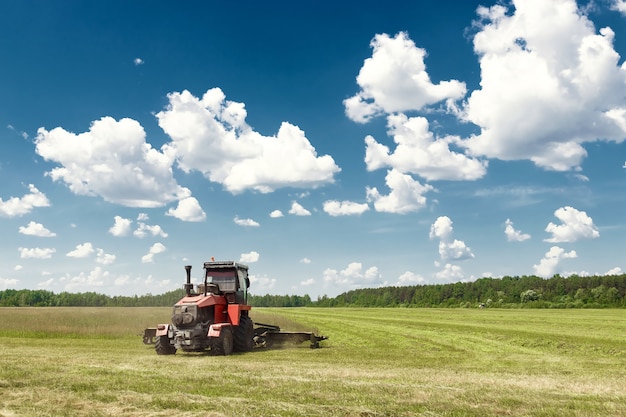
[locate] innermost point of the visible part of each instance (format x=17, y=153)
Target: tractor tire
x=163, y=347
x=244, y=335
x=222, y=345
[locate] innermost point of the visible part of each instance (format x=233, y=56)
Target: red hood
x=202, y=300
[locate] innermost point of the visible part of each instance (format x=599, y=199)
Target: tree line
x=507, y=292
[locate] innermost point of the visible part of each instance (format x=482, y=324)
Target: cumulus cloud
x=121, y=227
x=138, y=61
x=154, y=250
x=85, y=282
x=36, y=253
x=36, y=229
x=450, y=273
x=419, y=152
x=614, y=271
x=575, y=225
x=104, y=258
x=18, y=206
x=353, y=276
x=249, y=257
x=620, y=6
x=449, y=248
x=394, y=80
x=112, y=160
x=549, y=264
x=513, y=235
x=245, y=222
x=344, y=208
x=188, y=210
x=409, y=278
x=276, y=214
x=549, y=84
x=82, y=251
x=406, y=195
x=210, y=135
x=297, y=210
x=6, y=283
x=262, y=283
x=145, y=229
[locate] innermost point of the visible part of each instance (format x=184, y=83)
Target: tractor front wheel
x=163, y=347
x=222, y=345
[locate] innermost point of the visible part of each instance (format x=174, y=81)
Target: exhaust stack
x=188, y=284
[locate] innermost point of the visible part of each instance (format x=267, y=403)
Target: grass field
x=377, y=362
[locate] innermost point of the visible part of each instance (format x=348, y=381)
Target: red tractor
x=216, y=317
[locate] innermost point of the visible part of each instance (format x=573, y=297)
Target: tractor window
x=226, y=280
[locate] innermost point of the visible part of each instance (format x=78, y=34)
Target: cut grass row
x=377, y=362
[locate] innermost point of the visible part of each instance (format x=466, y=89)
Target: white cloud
x=407, y=194
x=188, y=210
x=144, y=229
x=36, y=253
x=246, y=222
x=262, y=284
x=352, y=276
x=143, y=217
x=85, y=282
x=82, y=251
x=8, y=283
x=449, y=248
x=104, y=258
x=441, y=228
x=249, y=257
x=305, y=261
x=549, y=264
x=549, y=84
x=138, y=61
x=154, y=250
x=513, y=235
x=344, y=208
x=121, y=227
x=276, y=214
x=419, y=152
x=18, y=267
x=394, y=80
x=297, y=210
x=454, y=250
x=450, y=273
x=308, y=283
x=409, y=278
x=210, y=135
x=614, y=271
x=18, y=206
x=620, y=6
x=112, y=160
x=575, y=225
x=36, y=229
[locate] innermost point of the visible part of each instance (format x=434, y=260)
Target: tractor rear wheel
x=222, y=345
x=244, y=335
x=163, y=347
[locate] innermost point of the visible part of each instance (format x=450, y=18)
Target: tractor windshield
x=226, y=280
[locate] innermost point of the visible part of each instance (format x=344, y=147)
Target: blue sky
x=329, y=146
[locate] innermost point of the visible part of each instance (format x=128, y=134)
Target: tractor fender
x=162, y=329
x=216, y=329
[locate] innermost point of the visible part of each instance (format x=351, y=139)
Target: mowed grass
x=377, y=362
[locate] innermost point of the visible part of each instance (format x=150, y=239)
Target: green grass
x=377, y=362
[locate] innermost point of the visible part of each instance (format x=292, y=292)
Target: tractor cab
x=228, y=278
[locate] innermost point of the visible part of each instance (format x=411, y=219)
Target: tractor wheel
x=163, y=347
x=244, y=335
x=222, y=345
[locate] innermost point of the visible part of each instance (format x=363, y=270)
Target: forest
x=507, y=292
